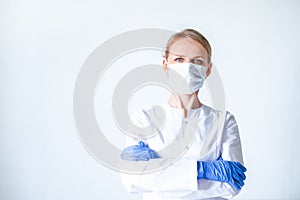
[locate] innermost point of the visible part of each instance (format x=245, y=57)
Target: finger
x=142, y=144
x=241, y=166
x=131, y=148
x=242, y=175
x=143, y=157
x=132, y=153
x=237, y=178
x=128, y=157
x=153, y=154
x=239, y=182
x=235, y=185
x=237, y=167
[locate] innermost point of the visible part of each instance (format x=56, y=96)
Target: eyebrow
x=185, y=56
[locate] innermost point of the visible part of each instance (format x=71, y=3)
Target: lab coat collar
x=179, y=112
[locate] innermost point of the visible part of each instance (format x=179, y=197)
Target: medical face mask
x=186, y=78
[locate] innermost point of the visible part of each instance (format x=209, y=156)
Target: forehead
x=187, y=47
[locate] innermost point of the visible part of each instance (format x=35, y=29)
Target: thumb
x=142, y=144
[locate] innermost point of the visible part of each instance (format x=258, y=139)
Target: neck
x=185, y=101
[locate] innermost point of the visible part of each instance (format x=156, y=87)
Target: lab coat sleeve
x=230, y=149
x=180, y=176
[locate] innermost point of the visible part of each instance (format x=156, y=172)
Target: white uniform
x=179, y=181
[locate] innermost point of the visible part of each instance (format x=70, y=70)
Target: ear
x=208, y=69
x=165, y=65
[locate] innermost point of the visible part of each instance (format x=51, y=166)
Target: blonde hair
x=192, y=34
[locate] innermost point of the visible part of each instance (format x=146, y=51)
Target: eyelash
x=201, y=61
x=182, y=59
x=177, y=59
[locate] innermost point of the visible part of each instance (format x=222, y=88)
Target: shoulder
x=230, y=128
x=207, y=110
x=230, y=120
x=144, y=117
x=227, y=116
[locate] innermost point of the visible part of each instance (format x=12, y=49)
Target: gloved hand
x=139, y=152
x=223, y=171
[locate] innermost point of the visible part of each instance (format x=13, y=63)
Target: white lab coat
x=179, y=181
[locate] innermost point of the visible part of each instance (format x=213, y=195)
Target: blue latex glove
x=139, y=152
x=223, y=171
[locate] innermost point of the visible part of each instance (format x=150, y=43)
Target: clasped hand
x=139, y=152
x=223, y=171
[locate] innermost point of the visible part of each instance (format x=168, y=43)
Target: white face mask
x=186, y=78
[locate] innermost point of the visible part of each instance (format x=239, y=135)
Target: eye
x=179, y=59
x=198, y=61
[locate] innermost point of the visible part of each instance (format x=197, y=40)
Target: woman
x=220, y=174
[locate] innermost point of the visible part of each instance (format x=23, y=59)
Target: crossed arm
x=207, y=178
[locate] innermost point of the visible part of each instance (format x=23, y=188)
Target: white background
x=44, y=43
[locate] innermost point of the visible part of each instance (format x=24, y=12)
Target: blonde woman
x=221, y=174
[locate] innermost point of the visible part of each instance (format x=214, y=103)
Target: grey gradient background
x=44, y=43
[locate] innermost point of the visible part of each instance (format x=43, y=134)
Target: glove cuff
x=200, y=169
